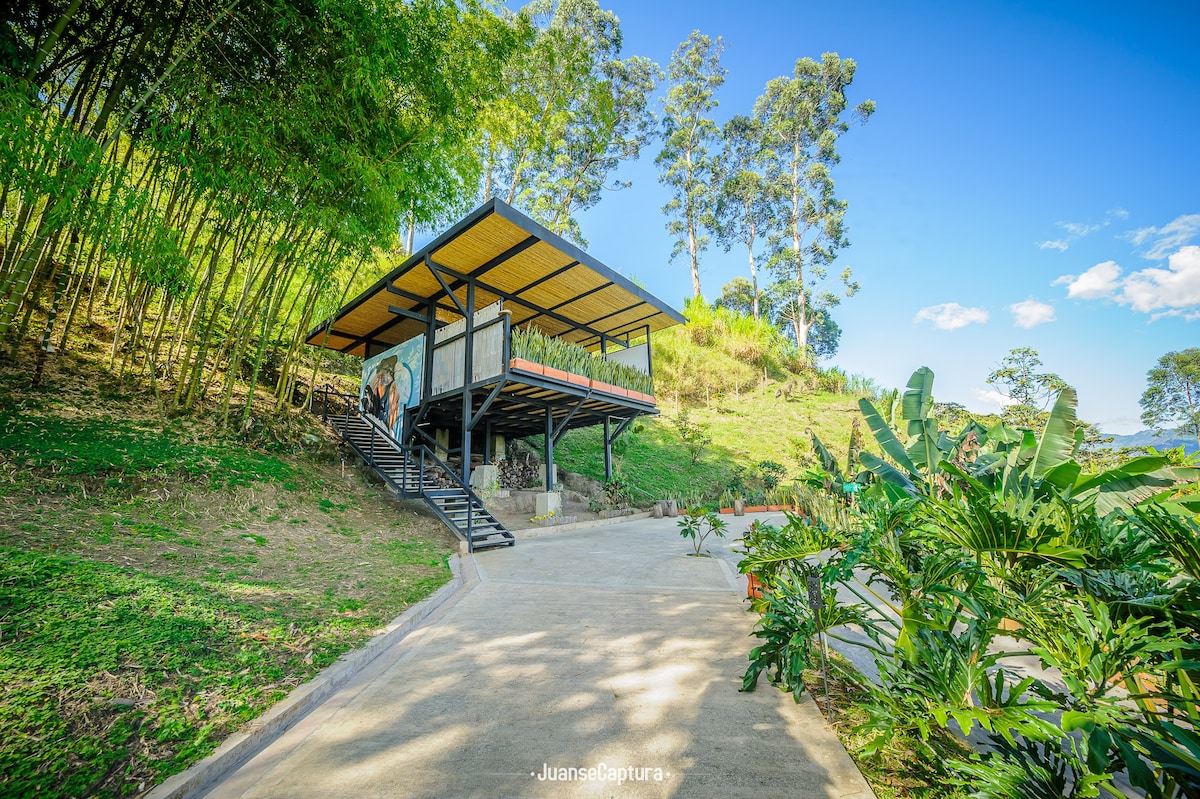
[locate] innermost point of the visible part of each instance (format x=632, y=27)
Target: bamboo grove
x=201, y=180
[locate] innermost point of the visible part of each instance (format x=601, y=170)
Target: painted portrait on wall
x=391, y=382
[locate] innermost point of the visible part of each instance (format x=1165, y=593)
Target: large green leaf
x=828, y=462
x=924, y=450
x=1131, y=483
x=1001, y=434
x=1058, y=439
x=886, y=437
x=918, y=400
x=1014, y=530
x=887, y=472
x=1062, y=476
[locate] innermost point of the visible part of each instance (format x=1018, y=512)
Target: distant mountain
x=1148, y=438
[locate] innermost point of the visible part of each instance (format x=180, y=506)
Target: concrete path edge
x=255, y=735
x=537, y=532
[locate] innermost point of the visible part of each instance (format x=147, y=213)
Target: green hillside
x=736, y=381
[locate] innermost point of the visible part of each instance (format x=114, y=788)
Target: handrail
x=420, y=452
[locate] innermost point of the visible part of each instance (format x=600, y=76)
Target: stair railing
x=472, y=498
x=349, y=406
x=424, y=456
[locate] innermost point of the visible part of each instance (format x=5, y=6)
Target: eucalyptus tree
x=824, y=334
x=745, y=203
x=802, y=118
x=739, y=295
x=573, y=110
x=685, y=162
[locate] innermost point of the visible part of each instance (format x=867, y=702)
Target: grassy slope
x=161, y=583
x=754, y=427
x=740, y=380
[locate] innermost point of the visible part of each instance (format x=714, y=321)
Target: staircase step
x=407, y=477
x=492, y=543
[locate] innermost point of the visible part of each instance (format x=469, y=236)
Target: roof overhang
x=544, y=281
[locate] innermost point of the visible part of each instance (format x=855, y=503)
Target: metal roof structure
x=544, y=281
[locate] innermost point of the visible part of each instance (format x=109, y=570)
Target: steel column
x=608, y=472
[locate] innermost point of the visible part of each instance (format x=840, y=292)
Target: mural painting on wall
x=391, y=382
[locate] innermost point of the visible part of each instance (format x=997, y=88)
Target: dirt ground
x=517, y=510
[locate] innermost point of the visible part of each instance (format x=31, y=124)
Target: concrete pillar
x=442, y=437
x=548, y=502
x=485, y=478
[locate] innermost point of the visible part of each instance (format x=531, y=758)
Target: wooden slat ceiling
x=544, y=281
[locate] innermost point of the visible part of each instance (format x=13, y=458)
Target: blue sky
x=1031, y=164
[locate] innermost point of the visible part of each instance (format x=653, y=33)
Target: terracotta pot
x=754, y=587
x=725, y=510
x=598, y=386
x=555, y=374
x=756, y=509
x=578, y=380
x=1008, y=625
x=525, y=366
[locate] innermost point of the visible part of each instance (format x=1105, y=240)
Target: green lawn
x=757, y=426
x=161, y=584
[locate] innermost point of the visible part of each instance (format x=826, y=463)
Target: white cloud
x=1171, y=236
x=1055, y=244
x=1097, y=282
x=1170, y=291
x=1174, y=291
x=1032, y=313
x=951, y=316
x=1079, y=229
x=992, y=400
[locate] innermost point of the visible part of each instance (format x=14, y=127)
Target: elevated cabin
x=500, y=329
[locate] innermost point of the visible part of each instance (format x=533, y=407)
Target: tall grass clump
x=720, y=351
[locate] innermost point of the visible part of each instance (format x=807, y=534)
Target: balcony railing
x=533, y=351
x=494, y=343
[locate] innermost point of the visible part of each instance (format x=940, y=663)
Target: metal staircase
x=413, y=471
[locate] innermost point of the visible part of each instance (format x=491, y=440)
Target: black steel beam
x=544, y=278
x=511, y=252
x=565, y=303
x=405, y=312
x=562, y=426
x=487, y=403
x=408, y=295
x=436, y=270
x=570, y=323
x=365, y=337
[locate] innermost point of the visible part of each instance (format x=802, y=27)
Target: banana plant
x=1006, y=459
x=914, y=464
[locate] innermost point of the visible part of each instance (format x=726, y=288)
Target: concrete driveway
x=606, y=658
